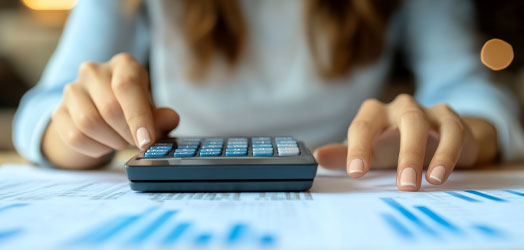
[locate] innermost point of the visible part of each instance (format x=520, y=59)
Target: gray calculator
x=224, y=164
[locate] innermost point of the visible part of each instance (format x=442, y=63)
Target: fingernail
x=438, y=173
x=356, y=166
x=143, y=137
x=408, y=177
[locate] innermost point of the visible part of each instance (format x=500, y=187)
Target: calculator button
x=287, y=153
x=262, y=153
x=184, y=154
x=212, y=146
x=155, y=154
x=236, y=149
x=188, y=146
x=236, y=153
x=210, y=153
x=262, y=146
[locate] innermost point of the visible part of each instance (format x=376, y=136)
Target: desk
x=46, y=208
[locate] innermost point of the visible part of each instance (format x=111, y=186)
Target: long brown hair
x=354, y=31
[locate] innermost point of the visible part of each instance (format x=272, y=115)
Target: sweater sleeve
x=444, y=55
x=95, y=31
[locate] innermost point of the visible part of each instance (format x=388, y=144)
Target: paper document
x=53, y=209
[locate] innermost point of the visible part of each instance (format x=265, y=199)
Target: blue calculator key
x=156, y=151
x=212, y=146
x=235, y=149
x=155, y=154
x=210, y=153
x=188, y=146
x=185, y=150
x=262, y=153
x=262, y=149
x=262, y=146
x=236, y=153
x=184, y=154
x=167, y=144
x=236, y=146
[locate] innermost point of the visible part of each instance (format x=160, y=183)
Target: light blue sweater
x=276, y=91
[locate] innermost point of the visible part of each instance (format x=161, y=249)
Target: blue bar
x=438, y=219
x=463, y=197
x=203, y=239
x=237, y=232
x=487, y=230
x=9, y=233
x=397, y=226
x=267, y=240
x=149, y=230
x=487, y=196
x=410, y=216
x=103, y=234
x=176, y=233
x=13, y=206
x=514, y=192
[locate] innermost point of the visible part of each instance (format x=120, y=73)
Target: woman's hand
x=108, y=107
x=404, y=134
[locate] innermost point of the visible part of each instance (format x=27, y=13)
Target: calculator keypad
x=229, y=147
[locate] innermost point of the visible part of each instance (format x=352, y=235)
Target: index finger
x=129, y=82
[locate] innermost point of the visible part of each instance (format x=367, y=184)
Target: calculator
x=224, y=164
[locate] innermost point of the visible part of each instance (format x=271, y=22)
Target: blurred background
x=30, y=30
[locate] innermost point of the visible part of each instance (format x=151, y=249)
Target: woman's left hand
x=403, y=133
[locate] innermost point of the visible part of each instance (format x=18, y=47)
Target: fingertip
x=436, y=175
x=143, y=137
x=356, y=168
x=408, y=179
x=332, y=156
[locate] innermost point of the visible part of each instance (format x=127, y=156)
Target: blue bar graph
x=151, y=228
x=514, y=192
x=409, y=215
x=6, y=234
x=484, y=195
x=176, y=233
x=110, y=229
x=397, y=226
x=113, y=228
x=438, y=219
x=203, y=239
x=462, y=197
x=13, y=206
x=488, y=231
x=238, y=232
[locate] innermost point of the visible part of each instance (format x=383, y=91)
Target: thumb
x=332, y=156
x=166, y=120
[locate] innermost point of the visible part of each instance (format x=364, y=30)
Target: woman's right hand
x=108, y=107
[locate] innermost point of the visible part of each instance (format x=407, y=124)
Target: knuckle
x=360, y=125
x=456, y=125
x=123, y=57
x=74, y=138
x=405, y=98
x=87, y=122
x=122, y=83
x=87, y=68
x=110, y=110
x=372, y=103
x=69, y=89
x=413, y=116
x=443, y=107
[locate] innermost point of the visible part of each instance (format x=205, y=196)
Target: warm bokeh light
x=496, y=54
x=49, y=4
